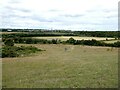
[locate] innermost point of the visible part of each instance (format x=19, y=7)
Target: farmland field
x=111, y=41
x=64, y=38
x=10, y=32
x=64, y=66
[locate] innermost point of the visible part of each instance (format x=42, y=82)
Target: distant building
x=9, y=30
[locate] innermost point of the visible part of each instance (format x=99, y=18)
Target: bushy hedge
x=34, y=35
x=13, y=51
x=34, y=41
x=92, y=42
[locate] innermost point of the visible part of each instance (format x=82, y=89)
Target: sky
x=77, y=15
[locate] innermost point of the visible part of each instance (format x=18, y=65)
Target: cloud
x=76, y=15
x=62, y=14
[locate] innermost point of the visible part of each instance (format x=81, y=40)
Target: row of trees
x=92, y=43
x=114, y=34
x=32, y=41
x=33, y=35
x=42, y=32
x=57, y=41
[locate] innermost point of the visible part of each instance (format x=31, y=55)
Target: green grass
x=76, y=67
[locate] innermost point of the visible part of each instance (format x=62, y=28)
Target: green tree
x=54, y=41
x=71, y=40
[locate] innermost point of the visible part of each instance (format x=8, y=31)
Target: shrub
x=9, y=42
x=54, y=41
x=9, y=51
x=117, y=44
x=71, y=40
x=13, y=51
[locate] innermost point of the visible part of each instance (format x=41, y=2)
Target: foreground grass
x=73, y=67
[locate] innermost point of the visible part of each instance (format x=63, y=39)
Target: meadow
x=63, y=66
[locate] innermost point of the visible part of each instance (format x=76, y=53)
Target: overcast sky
x=60, y=14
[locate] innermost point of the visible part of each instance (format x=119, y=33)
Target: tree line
x=43, y=32
x=92, y=42
x=72, y=41
x=34, y=35
x=113, y=34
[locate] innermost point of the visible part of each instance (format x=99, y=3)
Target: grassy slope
x=78, y=66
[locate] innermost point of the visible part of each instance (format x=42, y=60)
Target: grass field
x=64, y=38
x=111, y=41
x=74, y=67
x=10, y=32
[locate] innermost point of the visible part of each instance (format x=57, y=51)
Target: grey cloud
x=101, y=10
x=89, y=19
x=13, y=14
x=14, y=1
x=10, y=12
x=39, y=18
x=23, y=10
x=11, y=8
x=76, y=15
x=112, y=16
x=54, y=10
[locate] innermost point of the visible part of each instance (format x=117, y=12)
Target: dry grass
x=10, y=32
x=111, y=41
x=64, y=38
x=76, y=67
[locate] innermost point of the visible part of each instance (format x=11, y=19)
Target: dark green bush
x=13, y=51
x=71, y=41
x=9, y=42
x=9, y=51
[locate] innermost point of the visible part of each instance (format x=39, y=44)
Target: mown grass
x=74, y=67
